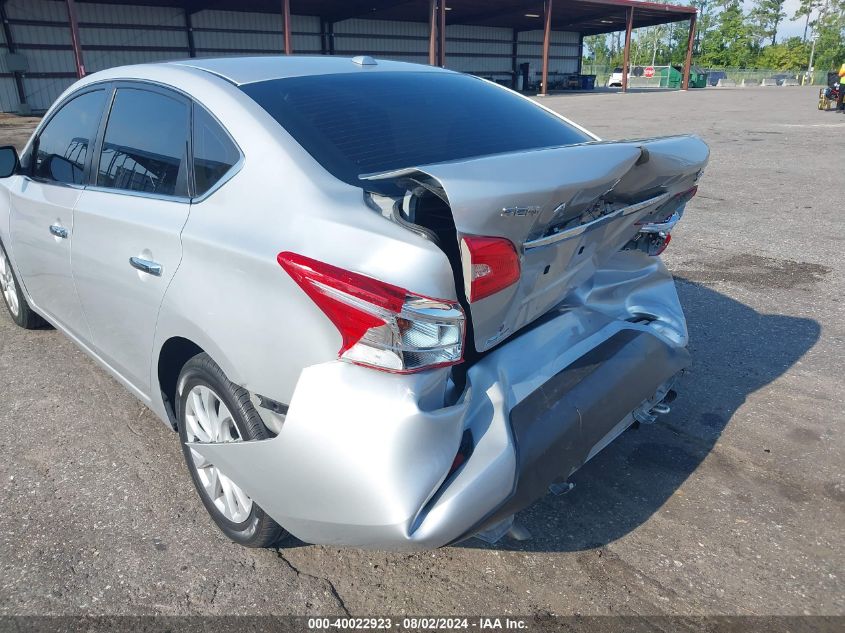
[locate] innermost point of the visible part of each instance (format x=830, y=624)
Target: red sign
x=649, y=72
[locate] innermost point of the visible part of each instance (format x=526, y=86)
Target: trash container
x=697, y=78
x=588, y=82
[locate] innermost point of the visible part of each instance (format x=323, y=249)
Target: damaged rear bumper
x=365, y=458
x=562, y=424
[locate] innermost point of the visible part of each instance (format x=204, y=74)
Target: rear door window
x=214, y=152
x=145, y=144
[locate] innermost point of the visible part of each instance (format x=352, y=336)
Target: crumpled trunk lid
x=566, y=210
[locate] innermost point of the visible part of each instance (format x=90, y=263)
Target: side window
x=145, y=144
x=214, y=151
x=62, y=146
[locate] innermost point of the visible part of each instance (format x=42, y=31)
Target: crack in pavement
x=332, y=588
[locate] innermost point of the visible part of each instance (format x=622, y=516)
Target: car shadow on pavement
x=735, y=351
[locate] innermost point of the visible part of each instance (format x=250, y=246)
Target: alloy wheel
x=207, y=419
x=7, y=285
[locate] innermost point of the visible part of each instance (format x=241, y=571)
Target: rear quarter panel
x=232, y=298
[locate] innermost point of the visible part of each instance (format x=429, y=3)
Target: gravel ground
x=734, y=503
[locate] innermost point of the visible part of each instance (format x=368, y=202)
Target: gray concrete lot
x=732, y=504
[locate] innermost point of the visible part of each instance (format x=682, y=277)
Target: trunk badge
x=510, y=212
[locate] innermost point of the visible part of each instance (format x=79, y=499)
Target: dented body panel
x=366, y=467
x=544, y=202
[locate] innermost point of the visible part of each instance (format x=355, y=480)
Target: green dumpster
x=697, y=77
x=670, y=77
x=673, y=77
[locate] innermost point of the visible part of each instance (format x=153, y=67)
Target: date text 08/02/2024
x=416, y=624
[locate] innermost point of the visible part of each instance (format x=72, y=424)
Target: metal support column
x=626, y=63
x=688, y=61
x=515, y=59
x=547, y=37
x=432, y=32
x=74, y=38
x=580, y=53
x=189, y=30
x=441, y=31
x=286, y=25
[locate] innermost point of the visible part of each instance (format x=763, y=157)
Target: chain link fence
x=638, y=79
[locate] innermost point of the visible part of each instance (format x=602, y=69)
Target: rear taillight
x=688, y=195
x=662, y=243
x=382, y=325
x=490, y=265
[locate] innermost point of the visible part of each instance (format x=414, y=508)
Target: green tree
x=805, y=10
x=732, y=41
x=765, y=17
x=728, y=36
x=706, y=20
x=597, y=50
x=791, y=54
x=829, y=34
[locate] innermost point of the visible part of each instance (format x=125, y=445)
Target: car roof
x=245, y=70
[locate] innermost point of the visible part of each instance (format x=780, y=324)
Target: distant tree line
x=729, y=35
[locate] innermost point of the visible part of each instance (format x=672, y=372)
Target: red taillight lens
x=382, y=325
x=689, y=194
x=662, y=247
x=490, y=265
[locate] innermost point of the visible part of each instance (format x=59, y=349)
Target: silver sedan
x=384, y=305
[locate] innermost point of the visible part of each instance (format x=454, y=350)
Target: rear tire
x=13, y=297
x=210, y=408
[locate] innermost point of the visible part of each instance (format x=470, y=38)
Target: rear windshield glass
x=364, y=123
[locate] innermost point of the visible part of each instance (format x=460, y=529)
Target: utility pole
x=810, y=74
x=654, y=53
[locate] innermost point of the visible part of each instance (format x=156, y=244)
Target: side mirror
x=9, y=162
x=62, y=170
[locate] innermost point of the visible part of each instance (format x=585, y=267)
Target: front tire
x=210, y=408
x=13, y=297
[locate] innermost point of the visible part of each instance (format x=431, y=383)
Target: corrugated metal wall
x=222, y=33
x=405, y=41
x=113, y=35
x=37, y=33
x=481, y=50
x=8, y=90
x=564, y=52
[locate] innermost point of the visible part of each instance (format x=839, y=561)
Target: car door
x=128, y=222
x=42, y=199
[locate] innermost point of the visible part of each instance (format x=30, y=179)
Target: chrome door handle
x=145, y=266
x=58, y=231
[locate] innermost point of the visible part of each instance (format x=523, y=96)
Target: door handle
x=58, y=231
x=146, y=266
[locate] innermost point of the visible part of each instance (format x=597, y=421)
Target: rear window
x=364, y=123
x=214, y=152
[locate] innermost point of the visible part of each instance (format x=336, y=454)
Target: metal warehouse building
x=47, y=44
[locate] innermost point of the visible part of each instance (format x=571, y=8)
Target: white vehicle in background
x=615, y=79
